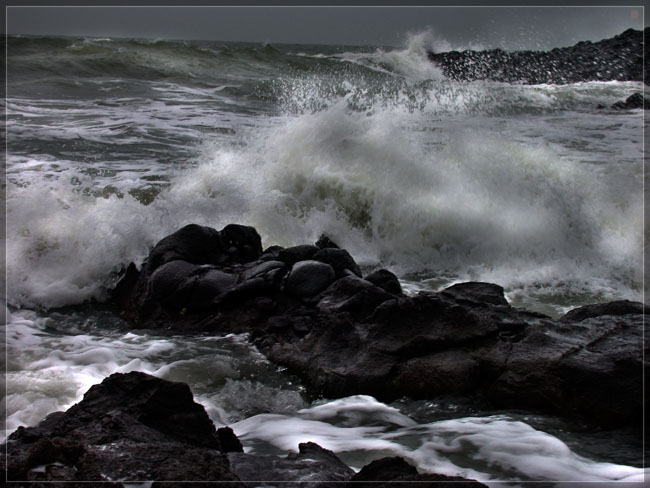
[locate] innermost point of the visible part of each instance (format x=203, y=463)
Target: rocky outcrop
x=137, y=428
x=309, y=309
x=130, y=427
x=619, y=58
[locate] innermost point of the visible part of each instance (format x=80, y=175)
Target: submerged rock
x=309, y=309
x=637, y=100
x=387, y=472
x=312, y=465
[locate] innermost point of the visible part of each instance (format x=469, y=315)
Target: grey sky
x=453, y=27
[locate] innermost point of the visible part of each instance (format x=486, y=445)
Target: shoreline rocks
x=343, y=334
x=134, y=427
x=619, y=58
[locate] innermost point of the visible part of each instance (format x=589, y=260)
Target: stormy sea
x=113, y=144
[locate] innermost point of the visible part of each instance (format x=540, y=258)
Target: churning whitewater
x=115, y=143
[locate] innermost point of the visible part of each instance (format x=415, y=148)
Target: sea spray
x=412, y=190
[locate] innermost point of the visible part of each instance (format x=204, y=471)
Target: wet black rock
x=325, y=242
x=386, y=280
x=636, y=100
x=477, y=292
x=339, y=259
x=130, y=427
x=309, y=309
x=615, y=308
x=619, y=58
x=312, y=466
x=309, y=278
x=392, y=471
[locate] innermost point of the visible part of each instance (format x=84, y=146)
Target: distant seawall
x=619, y=58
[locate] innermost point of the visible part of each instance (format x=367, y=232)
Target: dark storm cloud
x=508, y=27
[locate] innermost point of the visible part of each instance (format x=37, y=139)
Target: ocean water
x=115, y=143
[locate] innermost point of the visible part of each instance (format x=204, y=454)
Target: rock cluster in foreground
x=309, y=309
x=619, y=58
x=135, y=427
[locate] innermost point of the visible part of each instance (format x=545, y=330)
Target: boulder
x=193, y=243
x=354, y=295
x=292, y=255
x=339, y=259
x=309, y=278
x=386, y=280
x=477, y=293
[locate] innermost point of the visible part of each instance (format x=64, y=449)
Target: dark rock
x=439, y=373
x=311, y=466
x=198, y=244
x=637, y=100
x=309, y=278
x=307, y=310
x=386, y=280
x=619, y=307
x=130, y=427
x=228, y=441
x=338, y=259
x=192, y=264
x=271, y=253
x=389, y=471
x=167, y=278
x=619, y=58
x=477, y=292
x=354, y=295
x=242, y=243
x=325, y=242
x=210, y=284
x=292, y=255
x=261, y=269
x=193, y=243
x=566, y=369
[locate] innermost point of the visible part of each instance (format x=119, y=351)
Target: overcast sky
x=451, y=27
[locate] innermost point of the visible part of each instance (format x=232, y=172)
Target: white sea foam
x=52, y=362
x=47, y=371
x=490, y=449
